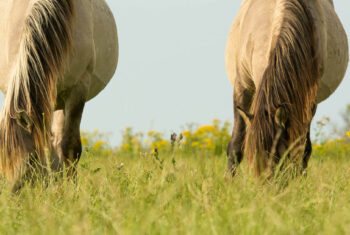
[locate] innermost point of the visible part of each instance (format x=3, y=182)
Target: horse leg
x=71, y=147
x=66, y=130
x=57, y=135
x=308, y=145
x=235, y=148
x=307, y=153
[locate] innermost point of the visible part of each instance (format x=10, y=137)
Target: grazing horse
x=283, y=57
x=55, y=56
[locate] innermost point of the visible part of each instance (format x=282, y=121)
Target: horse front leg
x=236, y=145
x=307, y=153
x=241, y=99
x=66, y=130
x=71, y=147
x=66, y=137
x=57, y=133
x=308, y=146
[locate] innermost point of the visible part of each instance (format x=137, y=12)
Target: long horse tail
x=290, y=80
x=45, y=42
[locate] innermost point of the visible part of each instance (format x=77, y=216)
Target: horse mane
x=45, y=42
x=289, y=81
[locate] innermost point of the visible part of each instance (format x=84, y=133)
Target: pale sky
x=172, y=68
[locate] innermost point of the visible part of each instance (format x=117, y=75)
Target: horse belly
x=93, y=61
x=335, y=54
x=106, y=47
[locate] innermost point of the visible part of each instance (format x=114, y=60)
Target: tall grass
x=156, y=185
x=182, y=193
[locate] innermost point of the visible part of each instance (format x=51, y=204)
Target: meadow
x=176, y=185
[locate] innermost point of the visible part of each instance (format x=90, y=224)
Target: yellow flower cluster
x=213, y=138
x=155, y=140
x=131, y=143
x=340, y=145
x=95, y=142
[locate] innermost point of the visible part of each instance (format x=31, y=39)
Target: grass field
x=183, y=193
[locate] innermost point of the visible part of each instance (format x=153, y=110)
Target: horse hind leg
x=242, y=98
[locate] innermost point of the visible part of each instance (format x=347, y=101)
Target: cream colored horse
x=283, y=58
x=55, y=56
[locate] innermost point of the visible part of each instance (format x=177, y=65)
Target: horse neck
x=44, y=44
x=290, y=79
x=292, y=76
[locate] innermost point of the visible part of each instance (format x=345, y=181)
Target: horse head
x=270, y=139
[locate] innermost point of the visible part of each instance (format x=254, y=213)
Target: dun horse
x=283, y=58
x=55, y=56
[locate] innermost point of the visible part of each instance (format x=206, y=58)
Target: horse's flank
x=45, y=41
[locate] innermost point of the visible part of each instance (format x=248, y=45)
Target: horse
x=283, y=58
x=55, y=56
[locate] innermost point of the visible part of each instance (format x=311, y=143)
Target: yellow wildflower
x=126, y=146
x=195, y=144
x=205, y=129
x=186, y=134
x=318, y=147
x=83, y=141
x=160, y=144
x=348, y=134
x=208, y=143
x=98, y=145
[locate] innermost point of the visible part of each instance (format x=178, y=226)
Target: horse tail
x=45, y=42
x=290, y=80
